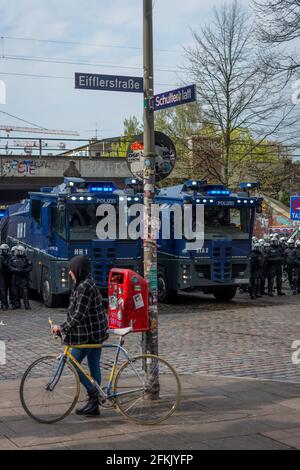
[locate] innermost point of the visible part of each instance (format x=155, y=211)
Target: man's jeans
x=93, y=358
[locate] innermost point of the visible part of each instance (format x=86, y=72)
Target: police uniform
x=264, y=272
x=20, y=268
x=3, y=296
x=296, y=259
x=256, y=266
x=274, y=260
x=288, y=263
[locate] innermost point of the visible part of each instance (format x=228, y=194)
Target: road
x=244, y=338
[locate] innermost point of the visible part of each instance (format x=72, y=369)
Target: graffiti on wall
x=14, y=167
x=19, y=168
x=55, y=167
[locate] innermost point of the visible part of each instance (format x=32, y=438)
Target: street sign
x=165, y=157
x=176, y=97
x=91, y=81
x=295, y=208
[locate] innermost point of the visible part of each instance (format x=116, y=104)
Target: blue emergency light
x=2, y=214
x=101, y=187
x=218, y=192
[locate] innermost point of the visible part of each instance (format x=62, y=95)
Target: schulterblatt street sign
x=176, y=97
x=91, y=81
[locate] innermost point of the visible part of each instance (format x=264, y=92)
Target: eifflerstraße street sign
x=176, y=97
x=91, y=81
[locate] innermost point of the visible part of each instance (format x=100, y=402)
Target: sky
x=108, y=35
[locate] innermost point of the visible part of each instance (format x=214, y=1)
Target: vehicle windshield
x=83, y=221
x=227, y=222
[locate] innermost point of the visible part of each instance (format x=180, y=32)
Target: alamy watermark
x=166, y=220
x=296, y=353
x=2, y=92
x=2, y=353
x=296, y=92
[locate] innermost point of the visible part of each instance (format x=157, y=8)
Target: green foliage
x=132, y=127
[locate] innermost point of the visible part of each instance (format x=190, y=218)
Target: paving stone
x=251, y=442
x=219, y=349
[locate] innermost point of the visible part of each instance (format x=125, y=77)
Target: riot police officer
x=264, y=274
x=274, y=261
x=288, y=262
x=3, y=298
x=5, y=275
x=297, y=267
x=256, y=266
x=20, y=267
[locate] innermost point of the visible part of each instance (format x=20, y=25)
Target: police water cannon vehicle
x=56, y=224
x=222, y=263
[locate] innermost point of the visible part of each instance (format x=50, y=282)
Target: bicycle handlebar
x=56, y=335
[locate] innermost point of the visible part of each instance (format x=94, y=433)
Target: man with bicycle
x=86, y=324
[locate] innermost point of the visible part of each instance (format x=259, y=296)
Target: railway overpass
x=21, y=174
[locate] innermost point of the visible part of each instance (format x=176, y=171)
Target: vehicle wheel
x=165, y=295
x=49, y=389
x=49, y=299
x=225, y=294
x=142, y=400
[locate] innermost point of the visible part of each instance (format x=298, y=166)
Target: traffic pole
x=150, y=338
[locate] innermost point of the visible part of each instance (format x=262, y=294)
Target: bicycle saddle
x=121, y=331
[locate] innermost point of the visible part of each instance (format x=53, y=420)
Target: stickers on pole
x=165, y=158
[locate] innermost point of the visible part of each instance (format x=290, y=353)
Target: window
x=36, y=210
x=83, y=221
x=228, y=222
x=59, y=221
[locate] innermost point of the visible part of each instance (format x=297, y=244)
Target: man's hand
x=55, y=330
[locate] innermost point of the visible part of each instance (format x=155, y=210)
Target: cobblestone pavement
x=243, y=338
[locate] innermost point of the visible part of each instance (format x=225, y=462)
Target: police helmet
x=4, y=248
x=274, y=241
x=290, y=242
x=20, y=250
x=267, y=245
x=297, y=243
x=13, y=250
x=282, y=239
x=261, y=241
x=256, y=246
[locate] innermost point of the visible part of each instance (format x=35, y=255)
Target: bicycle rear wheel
x=49, y=389
x=139, y=398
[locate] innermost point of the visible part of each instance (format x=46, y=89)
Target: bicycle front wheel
x=49, y=389
x=140, y=397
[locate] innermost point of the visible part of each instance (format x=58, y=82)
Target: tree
x=235, y=88
x=132, y=126
x=180, y=124
x=278, y=23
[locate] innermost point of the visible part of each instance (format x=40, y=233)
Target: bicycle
x=50, y=387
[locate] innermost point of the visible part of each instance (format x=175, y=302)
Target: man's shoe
x=27, y=306
x=281, y=293
x=270, y=294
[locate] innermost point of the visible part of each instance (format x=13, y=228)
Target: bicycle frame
x=108, y=392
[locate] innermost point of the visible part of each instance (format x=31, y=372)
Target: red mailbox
x=127, y=300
